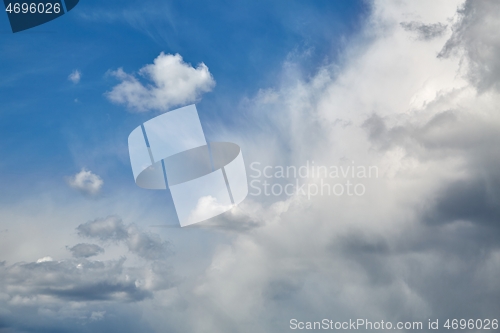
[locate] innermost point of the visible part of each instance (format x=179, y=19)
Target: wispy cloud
x=84, y=250
x=75, y=76
x=144, y=244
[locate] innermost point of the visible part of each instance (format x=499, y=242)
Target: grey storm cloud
x=84, y=250
x=425, y=31
x=73, y=280
x=28, y=285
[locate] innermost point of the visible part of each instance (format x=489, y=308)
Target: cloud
x=97, y=315
x=473, y=42
x=71, y=280
x=427, y=227
x=44, y=259
x=83, y=250
x=144, y=244
x=75, y=76
x=104, y=229
x=86, y=182
x=172, y=83
x=147, y=245
x=425, y=31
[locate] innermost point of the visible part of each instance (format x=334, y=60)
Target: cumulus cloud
x=172, y=83
x=75, y=76
x=84, y=250
x=86, y=182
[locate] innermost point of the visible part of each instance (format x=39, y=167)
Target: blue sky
x=243, y=43
x=407, y=87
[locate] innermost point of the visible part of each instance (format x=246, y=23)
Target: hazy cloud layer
x=173, y=83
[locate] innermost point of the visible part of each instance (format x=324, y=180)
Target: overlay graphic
x=205, y=179
x=26, y=14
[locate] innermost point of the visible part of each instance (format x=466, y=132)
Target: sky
x=406, y=89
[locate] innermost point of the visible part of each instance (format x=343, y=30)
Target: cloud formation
x=427, y=227
x=86, y=182
x=79, y=294
x=75, y=76
x=104, y=229
x=474, y=41
x=172, y=83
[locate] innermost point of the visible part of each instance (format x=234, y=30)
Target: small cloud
x=173, y=83
x=109, y=228
x=44, y=259
x=86, y=250
x=97, y=315
x=75, y=76
x=147, y=245
x=86, y=182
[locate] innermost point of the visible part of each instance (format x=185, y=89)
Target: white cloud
x=44, y=259
x=173, y=83
x=75, y=76
x=86, y=182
